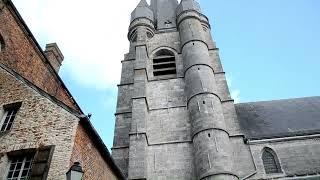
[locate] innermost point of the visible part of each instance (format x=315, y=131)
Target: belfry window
x=10, y=112
x=270, y=161
x=164, y=63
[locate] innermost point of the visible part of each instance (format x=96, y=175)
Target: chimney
x=54, y=55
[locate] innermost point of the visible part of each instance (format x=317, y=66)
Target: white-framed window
x=29, y=164
x=20, y=168
x=8, y=118
x=9, y=114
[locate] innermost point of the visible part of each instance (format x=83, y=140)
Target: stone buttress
x=210, y=137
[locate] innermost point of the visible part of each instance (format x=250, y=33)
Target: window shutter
x=41, y=163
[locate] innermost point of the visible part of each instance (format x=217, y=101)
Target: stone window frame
x=171, y=54
x=7, y=124
x=276, y=163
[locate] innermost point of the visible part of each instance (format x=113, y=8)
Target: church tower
x=175, y=118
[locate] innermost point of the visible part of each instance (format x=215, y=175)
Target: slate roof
x=280, y=118
x=142, y=10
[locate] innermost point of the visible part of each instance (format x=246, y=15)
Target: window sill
x=275, y=175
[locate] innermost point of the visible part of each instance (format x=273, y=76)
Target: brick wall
x=22, y=55
x=39, y=122
x=85, y=152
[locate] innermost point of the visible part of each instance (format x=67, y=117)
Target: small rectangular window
x=10, y=112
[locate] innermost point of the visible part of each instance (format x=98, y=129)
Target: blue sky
x=269, y=48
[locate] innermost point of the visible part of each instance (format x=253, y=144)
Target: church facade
x=176, y=119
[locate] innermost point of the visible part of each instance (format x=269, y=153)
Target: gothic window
x=270, y=161
x=20, y=167
x=2, y=45
x=164, y=63
x=10, y=112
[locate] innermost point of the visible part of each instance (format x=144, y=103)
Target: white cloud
x=91, y=35
x=235, y=93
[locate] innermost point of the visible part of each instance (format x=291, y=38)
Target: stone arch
x=162, y=48
x=270, y=161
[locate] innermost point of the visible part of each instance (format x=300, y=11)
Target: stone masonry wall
x=167, y=125
x=22, y=55
x=296, y=157
x=39, y=122
x=85, y=152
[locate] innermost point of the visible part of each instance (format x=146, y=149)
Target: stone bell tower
x=175, y=118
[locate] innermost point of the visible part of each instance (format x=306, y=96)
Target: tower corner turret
x=188, y=5
x=142, y=15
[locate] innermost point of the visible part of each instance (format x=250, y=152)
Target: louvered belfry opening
x=270, y=162
x=164, y=64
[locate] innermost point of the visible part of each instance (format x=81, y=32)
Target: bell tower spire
x=143, y=3
x=164, y=11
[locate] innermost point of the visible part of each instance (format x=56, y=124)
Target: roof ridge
x=277, y=100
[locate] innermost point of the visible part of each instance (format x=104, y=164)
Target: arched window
x=2, y=45
x=164, y=63
x=270, y=161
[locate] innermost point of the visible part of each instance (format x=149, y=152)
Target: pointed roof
x=165, y=13
x=186, y=5
x=142, y=11
x=143, y=3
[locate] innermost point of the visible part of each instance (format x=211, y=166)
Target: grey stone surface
x=186, y=126
x=243, y=159
x=164, y=11
x=297, y=157
x=142, y=11
x=171, y=161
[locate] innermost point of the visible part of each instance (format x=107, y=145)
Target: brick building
x=175, y=117
x=42, y=129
